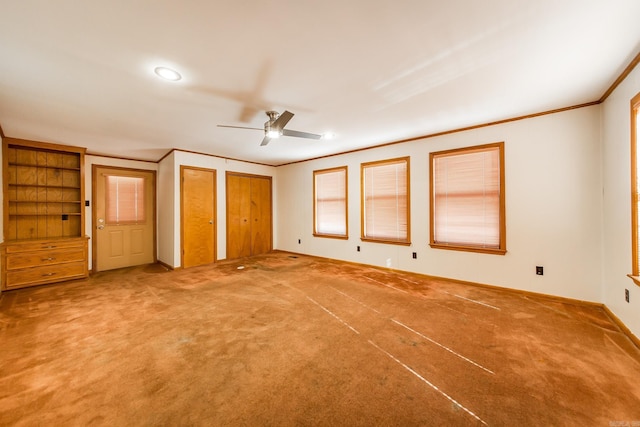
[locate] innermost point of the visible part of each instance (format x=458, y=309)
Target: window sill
x=331, y=236
x=469, y=249
x=390, y=242
x=636, y=279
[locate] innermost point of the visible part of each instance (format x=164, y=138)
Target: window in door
x=125, y=200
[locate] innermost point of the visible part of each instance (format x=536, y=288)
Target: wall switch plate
x=626, y=295
x=415, y=255
x=539, y=270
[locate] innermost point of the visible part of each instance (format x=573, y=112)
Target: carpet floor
x=291, y=340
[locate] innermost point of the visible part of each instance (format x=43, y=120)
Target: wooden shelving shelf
x=52, y=166
x=52, y=187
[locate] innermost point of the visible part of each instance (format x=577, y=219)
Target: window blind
x=386, y=201
x=466, y=198
x=125, y=200
x=330, y=189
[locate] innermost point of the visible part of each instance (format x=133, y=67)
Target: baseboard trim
x=548, y=297
x=167, y=266
x=623, y=328
x=615, y=319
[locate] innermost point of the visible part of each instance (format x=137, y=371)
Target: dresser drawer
x=42, y=258
x=45, y=274
x=44, y=245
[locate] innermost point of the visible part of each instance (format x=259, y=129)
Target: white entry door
x=123, y=217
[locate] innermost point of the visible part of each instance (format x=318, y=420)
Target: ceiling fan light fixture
x=167, y=74
x=328, y=135
x=271, y=131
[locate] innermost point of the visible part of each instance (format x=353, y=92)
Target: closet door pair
x=249, y=225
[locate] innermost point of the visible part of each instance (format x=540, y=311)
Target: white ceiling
x=372, y=71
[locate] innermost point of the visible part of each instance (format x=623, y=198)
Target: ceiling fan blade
x=265, y=141
x=282, y=120
x=254, y=101
x=298, y=134
x=239, y=127
x=248, y=112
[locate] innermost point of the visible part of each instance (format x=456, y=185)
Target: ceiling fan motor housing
x=273, y=115
x=270, y=130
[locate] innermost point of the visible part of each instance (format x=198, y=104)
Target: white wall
x=616, y=137
x=553, y=208
x=170, y=170
x=167, y=210
x=89, y=161
x=1, y=199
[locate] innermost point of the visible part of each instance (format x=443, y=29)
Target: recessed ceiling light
x=328, y=135
x=168, y=74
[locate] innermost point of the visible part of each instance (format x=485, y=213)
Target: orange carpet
x=293, y=340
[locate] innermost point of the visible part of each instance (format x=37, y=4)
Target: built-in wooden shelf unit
x=43, y=213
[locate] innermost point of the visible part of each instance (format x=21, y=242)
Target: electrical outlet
x=415, y=255
x=358, y=249
x=626, y=295
x=539, y=270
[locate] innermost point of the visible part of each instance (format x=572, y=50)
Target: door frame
x=226, y=190
x=215, y=211
x=94, y=219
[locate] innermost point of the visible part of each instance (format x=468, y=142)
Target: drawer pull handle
x=48, y=259
x=48, y=274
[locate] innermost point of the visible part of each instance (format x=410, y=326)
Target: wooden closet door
x=261, y=215
x=198, y=216
x=238, y=216
x=248, y=215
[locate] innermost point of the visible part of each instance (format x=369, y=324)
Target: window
x=330, y=203
x=635, y=189
x=385, y=201
x=467, y=199
x=125, y=200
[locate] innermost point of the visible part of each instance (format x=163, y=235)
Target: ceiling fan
x=274, y=127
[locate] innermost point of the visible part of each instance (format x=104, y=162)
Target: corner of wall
x=1, y=193
x=1, y=196
x=166, y=204
x=616, y=228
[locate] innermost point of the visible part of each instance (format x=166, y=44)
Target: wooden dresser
x=43, y=187
x=38, y=262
